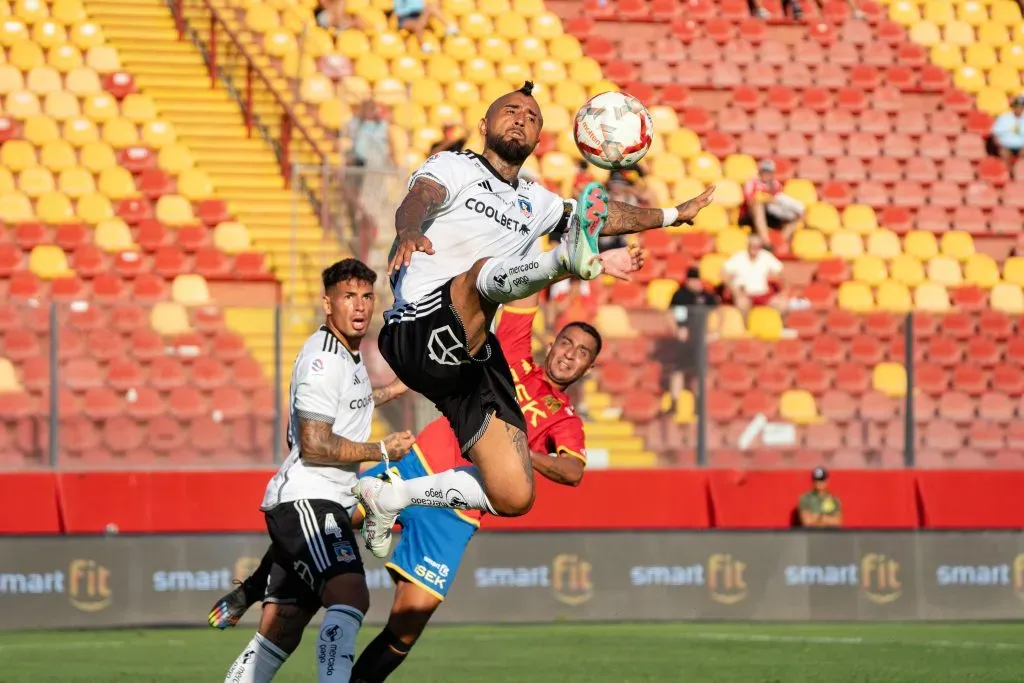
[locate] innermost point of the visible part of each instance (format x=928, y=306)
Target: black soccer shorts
x=311, y=542
x=425, y=344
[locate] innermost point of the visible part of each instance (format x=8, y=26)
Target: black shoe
x=231, y=607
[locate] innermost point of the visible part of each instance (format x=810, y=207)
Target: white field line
x=851, y=640
x=77, y=645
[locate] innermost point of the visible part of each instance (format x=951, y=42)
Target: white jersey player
x=315, y=558
x=467, y=242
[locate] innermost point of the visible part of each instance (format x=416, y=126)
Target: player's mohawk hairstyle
x=527, y=88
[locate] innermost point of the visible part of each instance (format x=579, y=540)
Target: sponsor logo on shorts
x=302, y=569
x=343, y=551
x=432, y=572
x=442, y=345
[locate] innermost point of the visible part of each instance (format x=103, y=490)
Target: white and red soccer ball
x=613, y=130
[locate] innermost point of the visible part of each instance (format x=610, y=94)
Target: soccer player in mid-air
x=434, y=540
x=468, y=240
x=314, y=559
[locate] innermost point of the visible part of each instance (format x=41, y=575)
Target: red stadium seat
x=995, y=407
x=837, y=406
x=970, y=380
x=788, y=352
x=187, y=403
x=852, y=378
x=866, y=350
x=931, y=378
x=969, y=297
x=106, y=345
x=995, y=325
x=812, y=377
x=944, y=351
x=1008, y=379
x=146, y=345
x=843, y=324
x=102, y=403
x=124, y=374
x=145, y=403
x=827, y=349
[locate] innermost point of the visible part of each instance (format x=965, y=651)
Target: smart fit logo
x=726, y=582
x=89, y=586
x=571, y=579
x=880, y=578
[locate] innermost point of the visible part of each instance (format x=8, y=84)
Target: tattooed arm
x=624, y=219
x=389, y=392
x=321, y=446
x=424, y=197
x=561, y=469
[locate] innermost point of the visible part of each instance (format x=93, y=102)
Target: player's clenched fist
x=398, y=444
x=407, y=246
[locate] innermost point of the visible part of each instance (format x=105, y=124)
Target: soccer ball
x=613, y=130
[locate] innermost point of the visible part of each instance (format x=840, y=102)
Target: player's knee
x=347, y=589
x=514, y=502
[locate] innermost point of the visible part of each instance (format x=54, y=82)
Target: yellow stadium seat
x=604, y=85
x=991, y=33
x=969, y=79
x=262, y=18
x=494, y=8
x=972, y=12
x=6, y=182
x=169, y=318
x=685, y=408
x=765, y=323
x=83, y=81
x=1013, y=270
x=172, y=209
x=860, y=218
x=231, y=237
x=138, y=108
x=21, y=104
x=957, y=244
x=332, y=115
x=373, y=67
x=512, y=26
x=981, y=270
x=278, y=43
x=980, y=56
x=8, y=378
x=893, y=297
x=798, y=406
x=856, y=297
x=390, y=91
x=585, y=71
x=80, y=130
x=11, y=79
x=613, y=322
x=442, y=68
x=459, y=48
x=531, y=49
x=353, y=43
x=1006, y=12
x=103, y=59
x=100, y=107
x=548, y=72
x=706, y=168
x=479, y=71
x=904, y=12
x=566, y=48
x=685, y=144
x=545, y=25
x=730, y=240
x=809, y=245
x=728, y=194
x=35, y=181
x=119, y=133
x=711, y=269
x=31, y=11
x=113, y=235
x=801, y=190
x=931, y=297
x=97, y=155
x=57, y=155
x=823, y=217
x=906, y=270
x=938, y=12
x=40, y=129
x=1007, y=298
x=660, y=292
x=846, y=245
x=921, y=244
x=93, y=208
x=495, y=49
x=476, y=25
x=156, y=134
x=730, y=322
x=87, y=35
x=946, y=56
x=870, y=270
x=668, y=168
x=493, y=89
x=12, y=31
x=316, y=88
x=884, y=243
x=410, y=116
x=48, y=261
x=190, y=290
x=569, y=94
x=443, y=114
x=194, y=184
x=458, y=8
x=26, y=56
x=557, y=167
x=738, y=167
x=890, y=379
x=61, y=106
x=117, y=183
x=17, y=155
x=76, y=182
x=958, y=33
x=426, y=93
x=991, y=101
x=43, y=79
x=16, y=207
x=48, y=34
x=68, y=12
x=665, y=119
x=1006, y=78
x=712, y=219
x=945, y=271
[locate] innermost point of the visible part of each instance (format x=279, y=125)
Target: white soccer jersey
x=331, y=385
x=482, y=217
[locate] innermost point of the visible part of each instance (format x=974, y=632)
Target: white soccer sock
x=510, y=278
x=460, y=488
x=336, y=645
x=258, y=662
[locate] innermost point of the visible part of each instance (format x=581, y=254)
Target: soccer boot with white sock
x=583, y=231
x=379, y=516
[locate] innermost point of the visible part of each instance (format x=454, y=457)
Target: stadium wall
x=122, y=581
x=227, y=501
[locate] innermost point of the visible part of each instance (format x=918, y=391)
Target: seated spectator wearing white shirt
x=753, y=277
x=1008, y=132
x=767, y=206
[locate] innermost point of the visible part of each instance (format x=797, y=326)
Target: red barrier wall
x=163, y=502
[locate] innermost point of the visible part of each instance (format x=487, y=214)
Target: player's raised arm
x=624, y=219
x=424, y=197
x=321, y=446
x=559, y=468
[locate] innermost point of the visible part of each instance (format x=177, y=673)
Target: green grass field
x=614, y=653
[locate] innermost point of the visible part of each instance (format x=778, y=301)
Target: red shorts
x=763, y=299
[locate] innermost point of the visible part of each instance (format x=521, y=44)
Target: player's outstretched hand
x=689, y=209
x=407, y=246
x=619, y=263
x=398, y=444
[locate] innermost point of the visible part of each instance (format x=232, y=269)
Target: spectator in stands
x=753, y=278
x=767, y=206
x=453, y=139
x=1008, y=132
x=679, y=355
x=820, y=508
x=371, y=146
x=415, y=15
x=330, y=14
